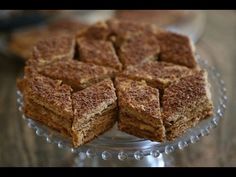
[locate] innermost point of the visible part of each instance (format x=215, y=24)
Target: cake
x=52, y=49
x=156, y=74
x=139, y=106
x=22, y=41
x=47, y=100
x=138, y=49
x=94, y=111
x=176, y=48
x=98, y=52
x=77, y=74
x=185, y=103
x=142, y=77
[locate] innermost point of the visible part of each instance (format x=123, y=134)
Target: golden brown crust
x=47, y=117
x=52, y=94
x=52, y=49
x=156, y=74
x=98, y=52
x=78, y=75
x=176, y=48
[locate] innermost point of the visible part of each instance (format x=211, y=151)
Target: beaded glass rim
x=123, y=145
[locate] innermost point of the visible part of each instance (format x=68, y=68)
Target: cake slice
x=94, y=111
x=139, y=108
x=156, y=74
x=78, y=75
x=47, y=92
x=185, y=103
x=56, y=48
x=176, y=48
x=98, y=52
x=137, y=49
x=47, y=101
x=97, y=31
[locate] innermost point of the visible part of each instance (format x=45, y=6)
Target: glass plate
x=116, y=144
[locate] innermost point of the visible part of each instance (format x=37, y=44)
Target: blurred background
x=213, y=33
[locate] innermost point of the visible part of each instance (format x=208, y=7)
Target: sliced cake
x=176, y=48
x=94, y=111
x=78, y=75
x=47, y=100
x=156, y=74
x=185, y=103
x=138, y=49
x=139, y=109
x=98, y=52
x=97, y=31
x=52, y=49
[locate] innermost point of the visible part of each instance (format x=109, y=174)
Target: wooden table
x=21, y=147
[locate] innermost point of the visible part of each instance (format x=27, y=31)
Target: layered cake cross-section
x=48, y=101
x=94, y=111
x=139, y=109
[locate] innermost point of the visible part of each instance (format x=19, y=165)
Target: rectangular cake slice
x=137, y=49
x=156, y=74
x=139, y=109
x=94, y=111
x=98, y=52
x=55, y=48
x=176, y=48
x=47, y=92
x=78, y=75
x=185, y=103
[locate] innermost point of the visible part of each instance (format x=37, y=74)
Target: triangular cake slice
x=156, y=74
x=139, y=108
x=94, y=111
x=98, y=52
x=55, y=48
x=176, y=48
x=185, y=103
x=78, y=75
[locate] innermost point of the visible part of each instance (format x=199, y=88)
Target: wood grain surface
x=21, y=147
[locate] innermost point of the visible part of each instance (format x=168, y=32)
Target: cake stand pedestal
x=115, y=148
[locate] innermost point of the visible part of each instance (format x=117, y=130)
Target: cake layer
x=47, y=117
x=126, y=120
x=78, y=75
x=92, y=129
x=98, y=52
x=156, y=74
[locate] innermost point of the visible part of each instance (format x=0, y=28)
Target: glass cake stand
x=115, y=148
